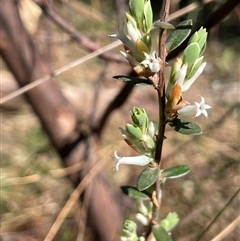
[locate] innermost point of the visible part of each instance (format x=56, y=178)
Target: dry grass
x=34, y=188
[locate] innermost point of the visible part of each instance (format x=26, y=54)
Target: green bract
x=134, y=131
x=136, y=8
x=140, y=118
x=148, y=17
x=191, y=54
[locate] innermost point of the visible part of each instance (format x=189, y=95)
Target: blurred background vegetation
x=34, y=186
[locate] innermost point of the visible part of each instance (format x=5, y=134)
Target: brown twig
x=161, y=98
x=85, y=42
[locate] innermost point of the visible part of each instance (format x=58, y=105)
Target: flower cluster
x=183, y=74
x=140, y=135
x=135, y=35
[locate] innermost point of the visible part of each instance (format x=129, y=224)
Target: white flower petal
x=123, y=238
x=187, y=84
x=132, y=32
x=142, y=219
x=127, y=42
x=152, y=62
x=189, y=110
x=133, y=160
x=182, y=75
x=204, y=112
x=152, y=129
x=195, y=110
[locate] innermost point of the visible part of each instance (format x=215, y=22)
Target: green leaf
x=133, y=192
x=148, y=176
x=148, y=14
x=160, y=233
x=170, y=221
x=185, y=127
x=202, y=40
x=134, y=131
x=133, y=80
x=177, y=171
x=180, y=33
x=163, y=25
x=191, y=54
x=194, y=68
x=136, y=8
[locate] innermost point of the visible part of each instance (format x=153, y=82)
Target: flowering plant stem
x=145, y=136
x=161, y=99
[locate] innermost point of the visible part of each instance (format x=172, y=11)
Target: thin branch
x=74, y=199
x=227, y=230
x=59, y=71
x=85, y=42
x=218, y=215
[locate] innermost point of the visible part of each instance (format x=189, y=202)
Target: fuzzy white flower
x=195, y=110
x=152, y=62
x=133, y=160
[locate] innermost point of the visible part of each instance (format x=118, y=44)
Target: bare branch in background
x=85, y=42
x=57, y=117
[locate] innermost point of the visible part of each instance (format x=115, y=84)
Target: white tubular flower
x=195, y=110
x=187, y=83
x=126, y=41
x=134, y=34
x=133, y=160
x=142, y=219
x=182, y=75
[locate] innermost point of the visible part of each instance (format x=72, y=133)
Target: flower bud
x=134, y=131
x=140, y=118
x=129, y=229
x=149, y=142
x=200, y=37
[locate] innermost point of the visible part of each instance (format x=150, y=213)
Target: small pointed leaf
x=163, y=25
x=191, y=54
x=194, y=68
x=133, y=80
x=177, y=171
x=148, y=14
x=160, y=233
x=185, y=127
x=180, y=33
x=136, y=8
x=133, y=192
x=148, y=176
